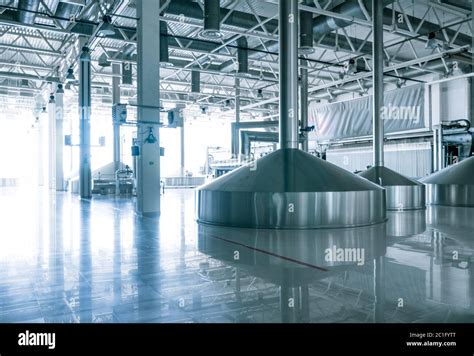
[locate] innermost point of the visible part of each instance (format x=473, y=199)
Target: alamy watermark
x=393, y=112
x=351, y=254
x=37, y=339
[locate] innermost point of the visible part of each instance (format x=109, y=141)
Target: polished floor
x=72, y=261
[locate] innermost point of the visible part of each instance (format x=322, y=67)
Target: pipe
x=65, y=10
x=235, y=138
x=247, y=137
x=243, y=56
x=212, y=19
x=377, y=58
x=306, y=33
x=440, y=148
x=29, y=16
x=288, y=20
x=304, y=102
x=237, y=126
x=435, y=150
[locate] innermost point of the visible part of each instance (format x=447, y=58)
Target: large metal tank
x=291, y=189
x=452, y=186
x=402, y=193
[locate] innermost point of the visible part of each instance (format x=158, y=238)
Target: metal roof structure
x=39, y=39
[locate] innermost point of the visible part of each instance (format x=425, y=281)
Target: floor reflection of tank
x=295, y=259
x=406, y=223
x=457, y=221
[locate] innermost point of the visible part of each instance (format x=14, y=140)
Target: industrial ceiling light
x=106, y=28
x=104, y=61
x=350, y=67
x=85, y=55
x=70, y=75
x=432, y=42
x=52, y=100
x=212, y=20
x=400, y=83
x=260, y=94
x=60, y=89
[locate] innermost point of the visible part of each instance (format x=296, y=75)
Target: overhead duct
x=31, y=7
x=452, y=186
x=195, y=81
x=65, y=10
x=212, y=20
x=325, y=24
x=164, y=48
x=402, y=193
x=306, y=33
x=242, y=57
x=289, y=188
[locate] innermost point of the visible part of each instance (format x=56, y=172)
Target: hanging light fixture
x=260, y=93
x=60, y=89
x=432, y=42
x=70, y=75
x=85, y=55
x=104, y=61
x=106, y=28
x=52, y=100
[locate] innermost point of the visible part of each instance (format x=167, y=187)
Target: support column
x=182, y=151
x=235, y=135
x=288, y=19
x=59, y=122
x=304, y=102
x=148, y=70
x=116, y=100
x=85, y=173
x=40, y=149
x=52, y=137
x=378, y=101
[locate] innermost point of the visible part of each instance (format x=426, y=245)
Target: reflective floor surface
x=66, y=260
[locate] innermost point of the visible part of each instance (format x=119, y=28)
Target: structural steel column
x=116, y=100
x=59, y=122
x=236, y=137
x=148, y=70
x=85, y=173
x=378, y=102
x=288, y=21
x=52, y=138
x=304, y=101
x=40, y=149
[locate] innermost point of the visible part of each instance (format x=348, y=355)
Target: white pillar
x=59, y=122
x=85, y=174
x=52, y=137
x=116, y=100
x=148, y=70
